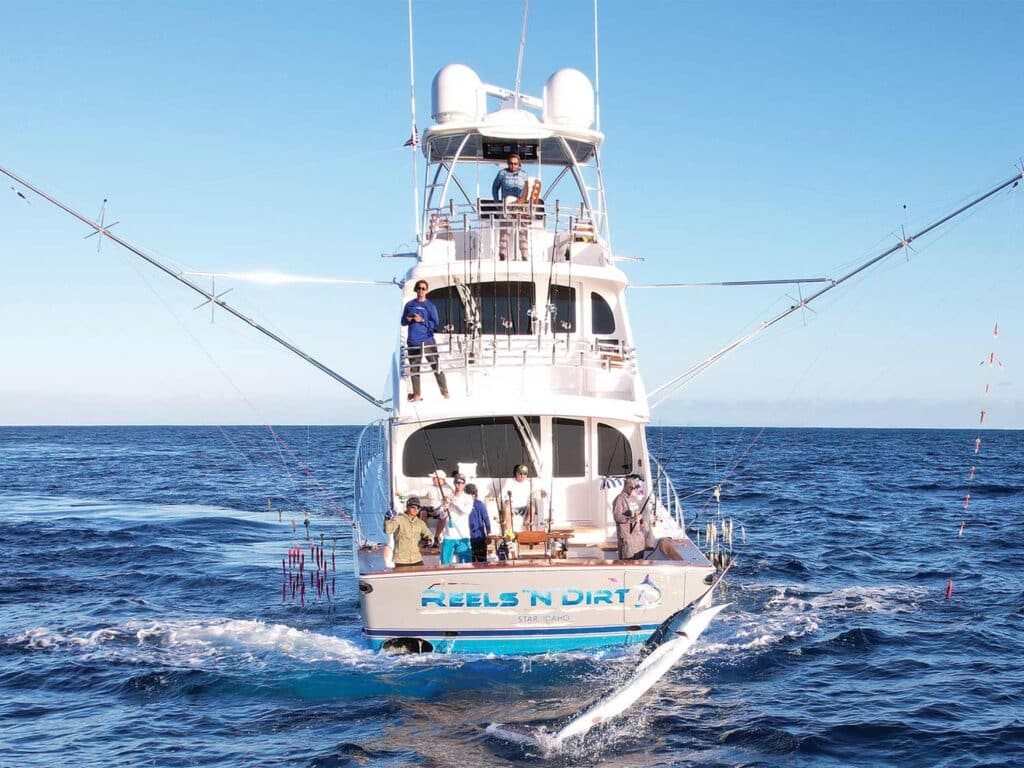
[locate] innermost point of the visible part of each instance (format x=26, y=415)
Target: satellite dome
x=569, y=99
x=456, y=95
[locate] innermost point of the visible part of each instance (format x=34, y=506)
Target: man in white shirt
x=519, y=501
x=454, y=526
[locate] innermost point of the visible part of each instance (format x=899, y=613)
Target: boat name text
x=532, y=598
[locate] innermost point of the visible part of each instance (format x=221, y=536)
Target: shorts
x=519, y=518
x=456, y=551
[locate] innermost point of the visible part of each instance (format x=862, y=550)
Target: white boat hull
x=527, y=606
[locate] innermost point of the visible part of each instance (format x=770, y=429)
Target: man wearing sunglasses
x=509, y=187
x=420, y=316
x=519, y=500
x=407, y=530
x=455, y=528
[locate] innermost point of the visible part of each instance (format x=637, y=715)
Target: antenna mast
x=522, y=48
x=415, y=137
x=597, y=77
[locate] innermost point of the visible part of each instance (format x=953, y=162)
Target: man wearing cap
x=407, y=530
x=518, y=500
x=454, y=526
x=628, y=522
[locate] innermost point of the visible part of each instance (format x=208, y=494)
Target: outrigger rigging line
x=104, y=231
x=673, y=385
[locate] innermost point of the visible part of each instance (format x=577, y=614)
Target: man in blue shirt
x=512, y=182
x=479, y=526
x=420, y=315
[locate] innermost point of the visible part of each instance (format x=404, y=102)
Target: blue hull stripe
x=533, y=632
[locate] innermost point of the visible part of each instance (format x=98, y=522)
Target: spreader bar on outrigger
x=104, y=231
x=671, y=386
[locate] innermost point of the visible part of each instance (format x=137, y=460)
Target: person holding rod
x=519, y=501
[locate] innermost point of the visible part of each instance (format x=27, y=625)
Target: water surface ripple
x=141, y=621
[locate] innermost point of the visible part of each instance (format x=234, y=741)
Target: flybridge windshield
x=556, y=150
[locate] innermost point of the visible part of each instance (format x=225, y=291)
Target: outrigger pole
x=670, y=387
x=104, y=231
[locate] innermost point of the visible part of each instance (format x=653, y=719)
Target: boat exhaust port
x=404, y=645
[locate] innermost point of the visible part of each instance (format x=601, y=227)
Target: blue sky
x=745, y=140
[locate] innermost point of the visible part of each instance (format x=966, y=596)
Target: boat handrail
x=566, y=224
x=371, y=487
x=463, y=351
x=666, y=495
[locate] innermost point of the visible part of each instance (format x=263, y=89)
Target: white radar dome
x=456, y=95
x=569, y=99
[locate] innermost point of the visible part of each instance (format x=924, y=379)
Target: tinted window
x=495, y=444
x=602, y=318
x=568, y=438
x=563, y=299
x=502, y=308
x=614, y=456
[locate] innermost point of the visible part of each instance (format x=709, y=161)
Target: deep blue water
x=141, y=620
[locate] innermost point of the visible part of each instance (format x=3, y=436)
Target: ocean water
x=141, y=620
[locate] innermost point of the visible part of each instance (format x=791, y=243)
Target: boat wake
x=198, y=642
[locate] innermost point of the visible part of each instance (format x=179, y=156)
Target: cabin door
x=570, y=464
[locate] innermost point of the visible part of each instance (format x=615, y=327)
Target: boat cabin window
x=500, y=307
x=602, y=319
x=568, y=443
x=563, y=298
x=496, y=444
x=614, y=456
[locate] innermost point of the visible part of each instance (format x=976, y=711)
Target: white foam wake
x=198, y=642
x=786, y=616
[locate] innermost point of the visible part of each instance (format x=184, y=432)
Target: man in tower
x=509, y=187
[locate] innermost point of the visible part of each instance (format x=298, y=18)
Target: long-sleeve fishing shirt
x=407, y=532
x=629, y=526
x=509, y=183
x=479, y=521
x=420, y=331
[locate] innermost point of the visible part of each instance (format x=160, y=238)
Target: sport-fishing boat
x=541, y=369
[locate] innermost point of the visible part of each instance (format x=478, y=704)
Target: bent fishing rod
x=210, y=296
x=670, y=387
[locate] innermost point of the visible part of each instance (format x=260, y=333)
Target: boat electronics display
x=500, y=150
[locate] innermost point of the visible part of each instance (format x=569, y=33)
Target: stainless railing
x=371, y=487
x=567, y=224
x=665, y=493
x=461, y=352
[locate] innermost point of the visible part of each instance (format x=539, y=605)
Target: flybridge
x=553, y=137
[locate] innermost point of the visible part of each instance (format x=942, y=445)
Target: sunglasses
x=460, y=482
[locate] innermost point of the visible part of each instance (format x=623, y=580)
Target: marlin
x=667, y=645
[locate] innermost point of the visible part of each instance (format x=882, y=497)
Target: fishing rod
x=211, y=297
x=673, y=385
